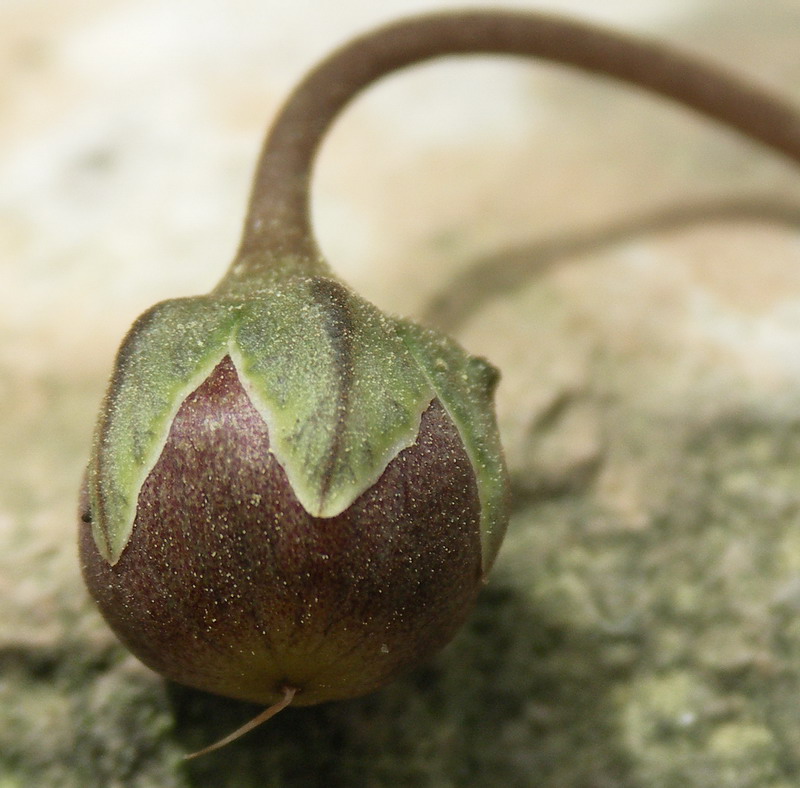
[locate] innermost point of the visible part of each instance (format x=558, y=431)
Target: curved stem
x=259, y=719
x=278, y=225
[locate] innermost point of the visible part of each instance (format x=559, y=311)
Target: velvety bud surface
x=228, y=584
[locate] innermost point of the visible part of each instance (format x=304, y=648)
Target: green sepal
x=465, y=386
x=338, y=388
x=169, y=351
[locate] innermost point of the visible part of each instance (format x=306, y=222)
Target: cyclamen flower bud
x=290, y=490
x=292, y=496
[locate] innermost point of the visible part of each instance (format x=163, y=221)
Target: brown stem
x=259, y=719
x=278, y=223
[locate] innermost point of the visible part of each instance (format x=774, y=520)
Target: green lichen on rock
x=76, y=717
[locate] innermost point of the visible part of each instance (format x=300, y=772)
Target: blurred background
x=633, y=270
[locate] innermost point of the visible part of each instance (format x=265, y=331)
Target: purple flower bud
x=225, y=580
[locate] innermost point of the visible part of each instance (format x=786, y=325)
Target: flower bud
x=290, y=489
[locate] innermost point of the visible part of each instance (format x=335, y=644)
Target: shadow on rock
x=496, y=275
x=513, y=701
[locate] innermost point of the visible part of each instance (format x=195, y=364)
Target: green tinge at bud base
x=341, y=386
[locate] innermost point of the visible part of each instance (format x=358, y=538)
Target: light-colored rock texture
x=633, y=271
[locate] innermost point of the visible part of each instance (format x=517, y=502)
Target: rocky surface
x=633, y=271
